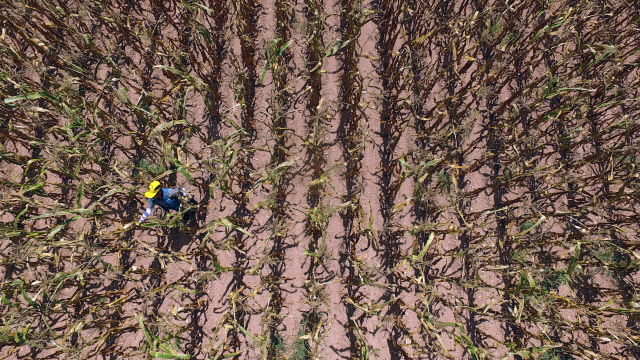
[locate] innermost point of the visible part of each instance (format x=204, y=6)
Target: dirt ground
x=376, y=179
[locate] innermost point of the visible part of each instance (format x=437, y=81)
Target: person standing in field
x=166, y=198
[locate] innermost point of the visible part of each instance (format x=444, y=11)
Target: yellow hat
x=154, y=187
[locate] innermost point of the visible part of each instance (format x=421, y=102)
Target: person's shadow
x=178, y=237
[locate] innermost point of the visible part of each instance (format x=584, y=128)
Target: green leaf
x=19, y=282
x=8, y=302
x=80, y=194
x=55, y=231
x=175, y=71
x=17, y=338
x=188, y=77
x=50, y=97
x=270, y=174
x=264, y=71
x=526, y=231
x=244, y=331
x=31, y=188
x=605, y=306
x=26, y=330
x=170, y=355
x=161, y=127
x=15, y=222
x=184, y=290
x=82, y=212
x=147, y=334
x=334, y=46
x=31, y=96
x=546, y=28
x=271, y=54
x=561, y=90
x=226, y=223
x=109, y=193
x=574, y=260
x=520, y=284
x=312, y=254
x=532, y=283
x=186, y=174
x=204, y=7
x=423, y=252
x=230, y=355
x=426, y=165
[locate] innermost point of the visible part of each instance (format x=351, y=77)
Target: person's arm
x=173, y=193
x=147, y=212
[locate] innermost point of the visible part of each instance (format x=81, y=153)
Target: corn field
x=376, y=179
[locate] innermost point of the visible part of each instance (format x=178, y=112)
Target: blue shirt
x=168, y=201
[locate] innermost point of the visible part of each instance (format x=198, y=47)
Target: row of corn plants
x=320, y=210
x=244, y=17
x=423, y=158
x=353, y=134
x=395, y=80
x=278, y=58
